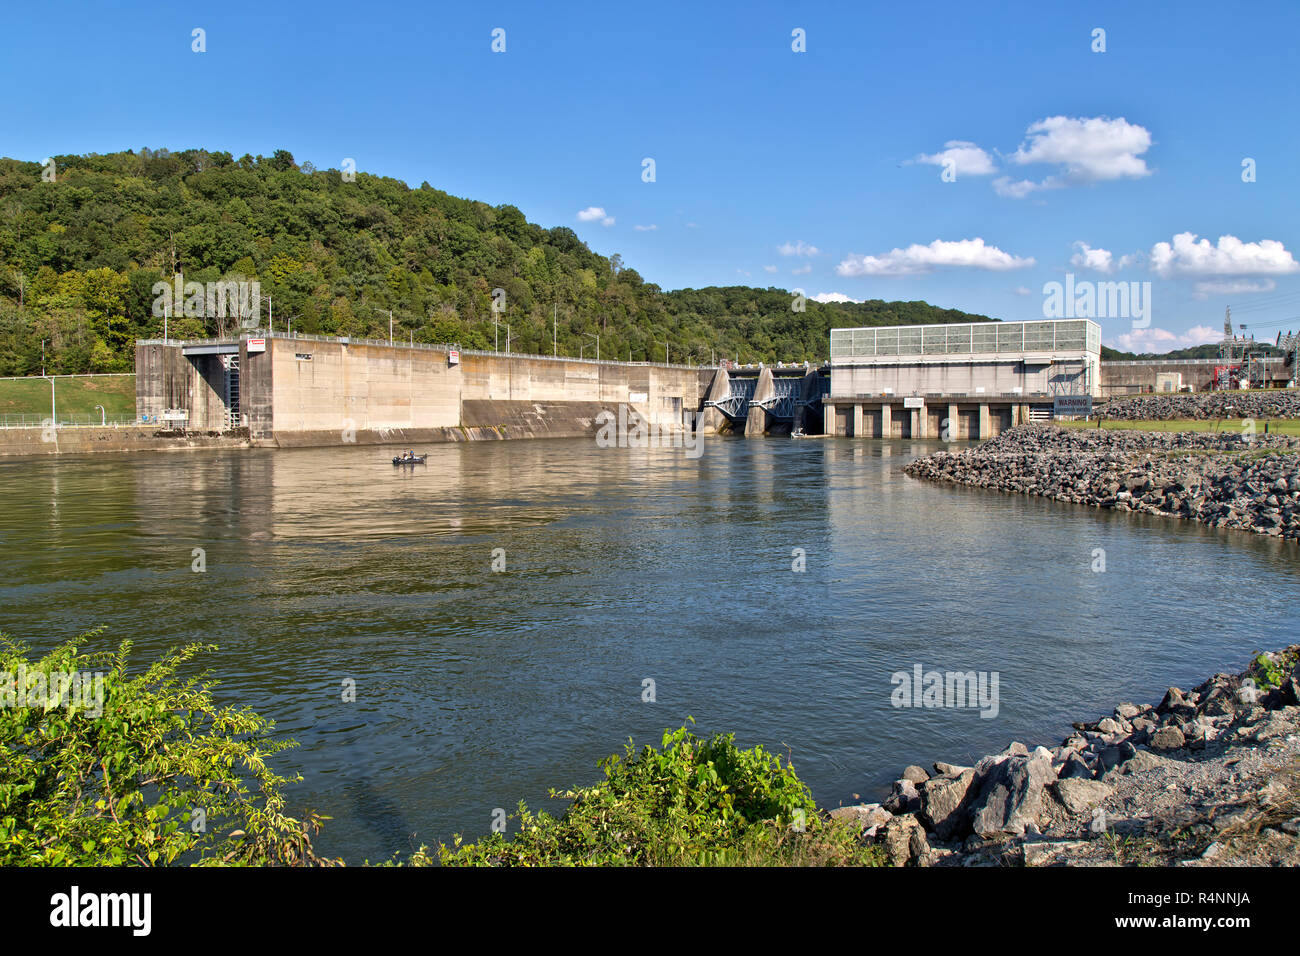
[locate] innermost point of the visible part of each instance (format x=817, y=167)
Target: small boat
x=411, y=460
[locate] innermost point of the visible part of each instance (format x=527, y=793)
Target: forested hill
x=79, y=256
x=1210, y=351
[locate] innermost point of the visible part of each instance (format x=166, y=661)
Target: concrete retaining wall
x=303, y=391
x=81, y=441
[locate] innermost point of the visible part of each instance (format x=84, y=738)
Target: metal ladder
x=231, y=363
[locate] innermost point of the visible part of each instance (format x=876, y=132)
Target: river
x=476, y=688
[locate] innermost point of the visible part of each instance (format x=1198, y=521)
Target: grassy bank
x=75, y=398
x=1276, y=426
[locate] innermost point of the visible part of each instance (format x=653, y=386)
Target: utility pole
x=555, y=329
x=597, y=338
x=42, y=358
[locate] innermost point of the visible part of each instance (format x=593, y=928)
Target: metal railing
x=423, y=346
x=64, y=421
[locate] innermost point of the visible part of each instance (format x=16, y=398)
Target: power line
x=1267, y=302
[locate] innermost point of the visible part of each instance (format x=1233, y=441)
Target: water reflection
x=477, y=688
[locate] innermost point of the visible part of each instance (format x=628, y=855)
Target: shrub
x=692, y=802
x=158, y=774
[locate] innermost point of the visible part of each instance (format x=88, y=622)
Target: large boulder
x=916, y=774
x=905, y=842
x=904, y=798
x=1168, y=738
x=1075, y=767
x=1010, y=792
x=944, y=803
x=1080, y=796
x=867, y=816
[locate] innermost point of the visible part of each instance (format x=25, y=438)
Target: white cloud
x=769, y=268
x=966, y=158
x=1021, y=290
x=916, y=259
x=650, y=228
x=833, y=297
x=1232, y=287
x=742, y=272
x=1162, y=340
x=1089, y=150
x=1190, y=256
x=1019, y=189
x=1098, y=260
x=803, y=270
x=799, y=248
x=591, y=214
x=607, y=221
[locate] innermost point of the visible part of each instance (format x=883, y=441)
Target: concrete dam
x=308, y=390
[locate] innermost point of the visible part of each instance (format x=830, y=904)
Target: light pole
x=42, y=358
x=103, y=415
x=665, y=350
x=597, y=338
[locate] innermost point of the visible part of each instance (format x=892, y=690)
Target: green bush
x=692, y=802
x=152, y=772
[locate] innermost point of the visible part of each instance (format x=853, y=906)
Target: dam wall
x=308, y=390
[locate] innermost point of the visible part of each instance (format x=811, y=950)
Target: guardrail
x=423, y=346
x=38, y=421
x=46, y=378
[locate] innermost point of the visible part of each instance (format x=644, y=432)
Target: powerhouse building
x=974, y=379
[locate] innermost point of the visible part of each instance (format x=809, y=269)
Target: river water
x=476, y=688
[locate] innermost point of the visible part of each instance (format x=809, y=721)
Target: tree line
x=85, y=239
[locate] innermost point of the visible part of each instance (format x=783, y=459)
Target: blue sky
x=1067, y=160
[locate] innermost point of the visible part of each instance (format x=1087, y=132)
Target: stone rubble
x=1202, y=406
x=1118, y=789
x=1222, y=479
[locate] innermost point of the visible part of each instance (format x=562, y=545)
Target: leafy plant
x=1268, y=673
x=154, y=772
x=693, y=801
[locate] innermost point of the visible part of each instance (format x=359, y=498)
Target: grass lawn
x=75, y=398
x=1276, y=426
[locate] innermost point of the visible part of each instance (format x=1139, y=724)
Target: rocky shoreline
x=1204, y=406
x=1237, y=480
x=1209, y=776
